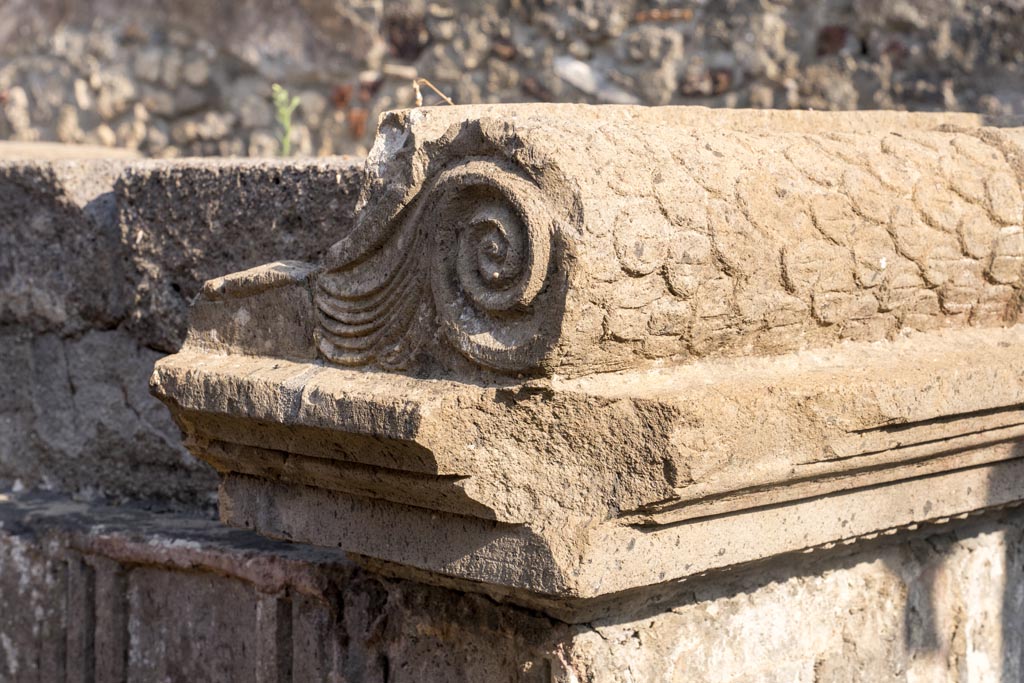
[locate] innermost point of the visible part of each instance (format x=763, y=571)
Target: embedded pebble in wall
x=196, y=71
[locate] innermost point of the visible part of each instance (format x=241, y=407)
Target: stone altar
x=567, y=353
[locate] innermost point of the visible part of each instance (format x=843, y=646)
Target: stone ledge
x=858, y=414
x=116, y=594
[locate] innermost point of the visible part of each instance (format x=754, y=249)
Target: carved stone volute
x=466, y=253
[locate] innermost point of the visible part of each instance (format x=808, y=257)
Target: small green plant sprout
x=284, y=105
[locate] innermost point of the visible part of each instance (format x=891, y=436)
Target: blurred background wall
x=193, y=77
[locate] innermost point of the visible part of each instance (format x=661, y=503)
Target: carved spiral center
x=493, y=255
x=494, y=250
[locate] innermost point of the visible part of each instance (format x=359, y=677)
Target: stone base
x=481, y=547
x=111, y=594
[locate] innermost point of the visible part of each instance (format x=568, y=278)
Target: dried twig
x=419, y=95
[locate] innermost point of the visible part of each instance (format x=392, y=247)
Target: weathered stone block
x=434, y=395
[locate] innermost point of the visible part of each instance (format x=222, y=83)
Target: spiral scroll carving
x=469, y=262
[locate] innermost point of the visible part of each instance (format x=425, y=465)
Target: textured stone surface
x=132, y=596
x=191, y=221
x=640, y=451
x=626, y=346
x=572, y=240
x=927, y=610
x=139, y=596
x=187, y=77
x=75, y=414
x=98, y=259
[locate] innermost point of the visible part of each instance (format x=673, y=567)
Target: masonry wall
x=191, y=77
x=98, y=262
x=123, y=594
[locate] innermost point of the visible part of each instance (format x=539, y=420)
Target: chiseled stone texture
x=757, y=257
x=139, y=596
x=672, y=232
x=98, y=261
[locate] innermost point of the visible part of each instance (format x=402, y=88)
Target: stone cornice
x=574, y=351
